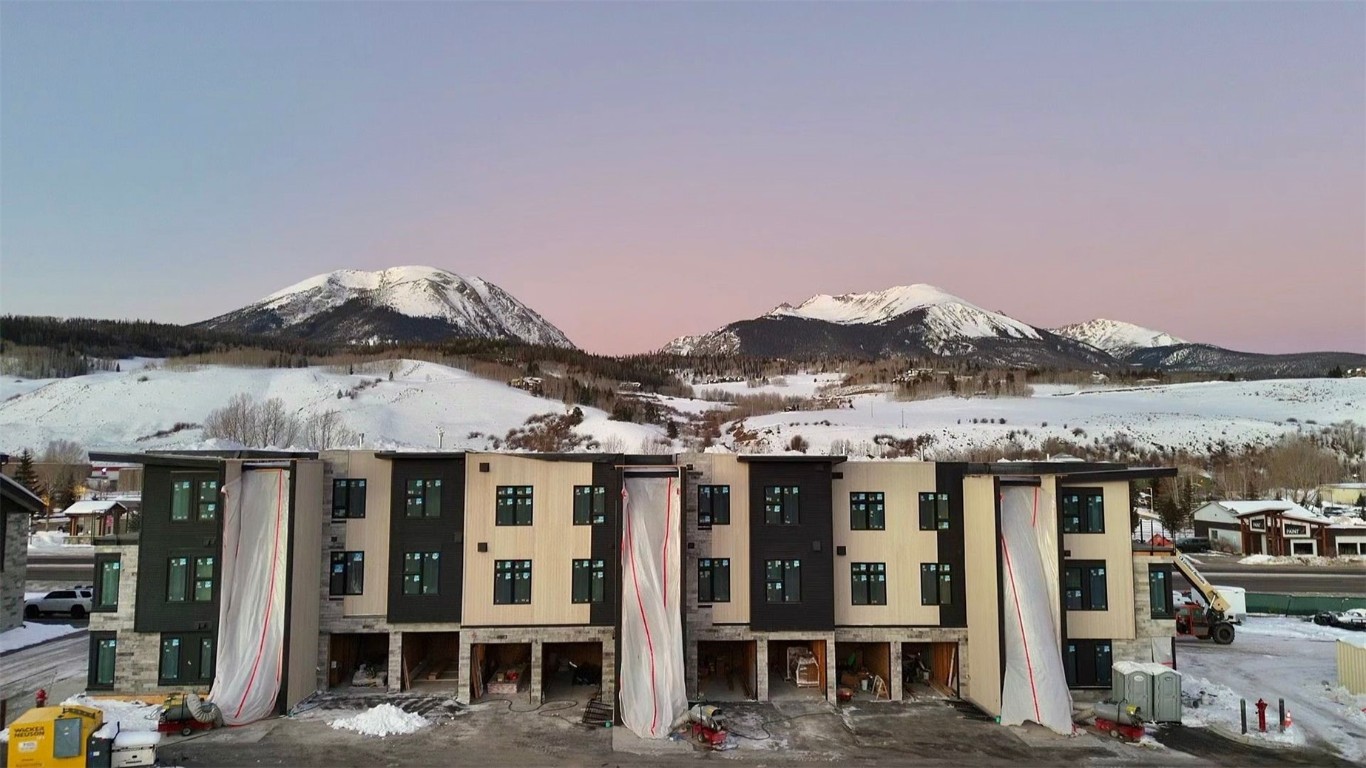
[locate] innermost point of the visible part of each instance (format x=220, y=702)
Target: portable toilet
x=1166, y=694
x=1131, y=684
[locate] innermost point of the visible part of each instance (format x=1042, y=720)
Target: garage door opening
x=726, y=671
x=430, y=660
x=570, y=671
x=358, y=660
x=796, y=669
x=929, y=670
x=865, y=670
x=500, y=671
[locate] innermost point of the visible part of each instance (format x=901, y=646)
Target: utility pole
x=440, y=438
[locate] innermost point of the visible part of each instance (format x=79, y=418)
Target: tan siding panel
x=732, y=541
x=983, y=591
x=371, y=533
x=1115, y=548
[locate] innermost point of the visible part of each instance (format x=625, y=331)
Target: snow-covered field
x=1276, y=657
x=1190, y=416
x=123, y=410
x=32, y=633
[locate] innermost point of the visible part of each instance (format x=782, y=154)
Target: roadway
x=1346, y=580
x=60, y=570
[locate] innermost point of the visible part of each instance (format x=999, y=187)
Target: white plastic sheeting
x=653, y=687
x=251, y=617
x=1035, y=686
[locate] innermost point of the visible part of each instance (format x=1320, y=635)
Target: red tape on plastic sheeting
x=1024, y=639
x=270, y=601
x=649, y=641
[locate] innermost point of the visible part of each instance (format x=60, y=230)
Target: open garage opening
x=500, y=671
x=570, y=671
x=431, y=661
x=865, y=671
x=726, y=670
x=796, y=669
x=359, y=660
x=929, y=670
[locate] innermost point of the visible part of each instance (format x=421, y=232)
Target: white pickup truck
x=73, y=602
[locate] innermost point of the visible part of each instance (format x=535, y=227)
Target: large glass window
x=423, y=498
x=784, y=581
x=177, y=579
x=511, y=582
x=869, y=583
x=590, y=505
x=713, y=505
x=208, y=500
x=936, y=584
x=347, y=575
x=1083, y=511
x=103, y=654
x=589, y=581
x=782, y=505
x=1160, y=591
x=170, y=658
x=867, y=511
x=107, y=582
x=182, y=494
x=194, y=497
x=348, y=499
x=421, y=573
x=514, y=505
x=713, y=580
x=1086, y=663
x=934, y=511
x=1084, y=585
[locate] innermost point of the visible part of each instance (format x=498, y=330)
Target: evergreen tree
x=25, y=474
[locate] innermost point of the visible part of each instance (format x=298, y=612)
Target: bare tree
x=277, y=427
x=1299, y=466
x=235, y=421
x=61, y=469
x=326, y=430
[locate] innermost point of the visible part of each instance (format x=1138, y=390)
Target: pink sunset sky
x=639, y=172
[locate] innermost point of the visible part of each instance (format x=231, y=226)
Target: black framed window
x=514, y=505
x=590, y=582
x=423, y=498
x=511, y=582
x=782, y=505
x=421, y=573
x=203, y=579
x=347, y=574
x=1084, y=585
x=108, y=568
x=1087, y=663
x=713, y=505
x=194, y=497
x=934, y=511
x=1083, y=511
x=103, y=658
x=936, y=584
x=590, y=505
x=713, y=580
x=1160, y=591
x=186, y=659
x=869, y=583
x=784, y=581
x=177, y=579
x=348, y=499
x=867, y=511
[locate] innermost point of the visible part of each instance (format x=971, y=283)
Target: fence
x=1352, y=666
x=1300, y=605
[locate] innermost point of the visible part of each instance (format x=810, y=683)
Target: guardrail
x=1300, y=605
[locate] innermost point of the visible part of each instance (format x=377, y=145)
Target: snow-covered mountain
x=396, y=304
x=1116, y=336
x=914, y=320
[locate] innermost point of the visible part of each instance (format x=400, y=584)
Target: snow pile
x=382, y=720
x=48, y=542
x=1297, y=629
x=33, y=634
x=130, y=715
x=1211, y=705
x=1294, y=560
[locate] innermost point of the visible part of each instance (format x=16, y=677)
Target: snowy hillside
x=1116, y=336
x=355, y=306
x=1190, y=416
x=121, y=411
x=946, y=315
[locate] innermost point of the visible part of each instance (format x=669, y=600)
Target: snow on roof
x=91, y=507
x=12, y=486
x=1289, y=509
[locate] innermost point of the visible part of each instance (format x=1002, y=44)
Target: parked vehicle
x=1193, y=544
x=72, y=602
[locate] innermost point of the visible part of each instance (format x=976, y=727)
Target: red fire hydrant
x=41, y=697
x=1261, y=715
